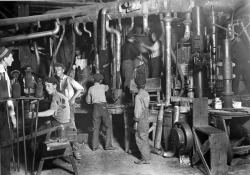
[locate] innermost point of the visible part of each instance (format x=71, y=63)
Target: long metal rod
x=24, y=141
x=168, y=19
x=17, y=134
x=118, y=52
x=103, y=29
x=73, y=50
x=35, y=135
x=31, y=36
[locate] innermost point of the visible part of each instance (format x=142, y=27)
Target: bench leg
x=40, y=167
x=73, y=163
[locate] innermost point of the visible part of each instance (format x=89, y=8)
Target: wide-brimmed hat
x=5, y=51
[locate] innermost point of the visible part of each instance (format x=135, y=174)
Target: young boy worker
x=141, y=115
x=96, y=96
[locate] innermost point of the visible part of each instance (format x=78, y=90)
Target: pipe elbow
x=76, y=28
x=85, y=29
x=57, y=28
x=132, y=23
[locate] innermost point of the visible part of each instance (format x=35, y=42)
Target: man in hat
x=141, y=115
x=96, y=96
x=6, y=59
x=71, y=89
x=129, y=53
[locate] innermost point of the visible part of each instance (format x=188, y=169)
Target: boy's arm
x=138, y=109
x=88, y=98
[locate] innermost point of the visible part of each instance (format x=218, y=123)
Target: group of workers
x=64, y=90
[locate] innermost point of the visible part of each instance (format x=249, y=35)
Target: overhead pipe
x=32, y=35
x=73, y=50
x=96, y=47
x=145, y=24
x=103, y=29
x=76, y=28
x=117, y=53
x=55, y=53
x=38, y=60
x=162, y=37
x=153, y=7
x=85, y=29
x=168, y=19
x=132, y=24
x=120, y=24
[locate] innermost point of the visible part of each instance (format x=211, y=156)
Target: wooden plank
x=209, y=130
x=204, y=149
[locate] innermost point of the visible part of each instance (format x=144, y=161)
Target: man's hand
x=72, y=101
x=13, y=120
x=135, y=126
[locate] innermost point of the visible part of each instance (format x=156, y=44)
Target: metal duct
x=118, y=52
x=31, y=36
x=86, y=30
x=168, y=19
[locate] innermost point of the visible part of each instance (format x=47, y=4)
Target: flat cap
x=140, y=80
x=98, y=77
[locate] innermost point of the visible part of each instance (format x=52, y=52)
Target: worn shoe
x=77, y=155
x=141, y=161
x=110, y=148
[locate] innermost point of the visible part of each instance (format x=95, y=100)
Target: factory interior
x=152, y=87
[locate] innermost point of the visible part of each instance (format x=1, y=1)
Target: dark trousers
x=5, y=151
x=156, y=65
x=141, y=137
x=100, y=114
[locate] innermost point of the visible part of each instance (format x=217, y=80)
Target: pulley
x=182, y=137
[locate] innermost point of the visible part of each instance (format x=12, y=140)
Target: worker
x=155, y=56
x=141, y=114
x=6, y=59
x=96, y=96
x=129, y=53
x=71, y=89
x=29, y=81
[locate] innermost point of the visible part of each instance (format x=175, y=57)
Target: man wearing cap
x=129, y=53
x=71, y=89
x=96, y=96
x=6, y=59
x=141, y=115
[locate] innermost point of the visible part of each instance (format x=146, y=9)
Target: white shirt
x=156, y=49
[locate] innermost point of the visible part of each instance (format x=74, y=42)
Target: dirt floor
x=118, y=162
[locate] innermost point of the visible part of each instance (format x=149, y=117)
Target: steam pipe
x=227, y=74
x=118, y=52
x=187, y=22
x=120, y=24
x=73, y=50
x=168, y=19
x=145, y=24
x=38, y=60
x=85, y=29
x=32, y=35
x=76, y=28
x=103, y=29
x=162, y=38
x=96, y=47
x=132, y=23
x=135, y=9
x=57, y=48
